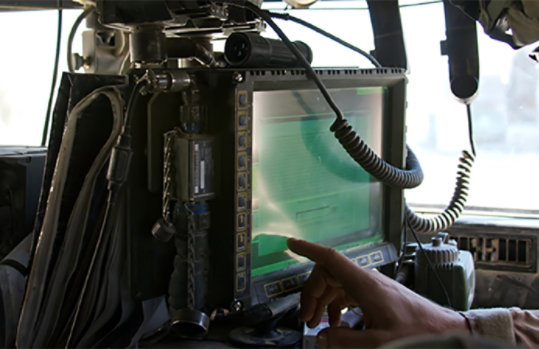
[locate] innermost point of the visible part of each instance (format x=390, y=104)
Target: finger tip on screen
x=290, y=242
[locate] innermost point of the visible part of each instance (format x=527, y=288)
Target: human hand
x=390, y=310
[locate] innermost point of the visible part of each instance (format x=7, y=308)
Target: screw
x=237, y=77
x=236, y=305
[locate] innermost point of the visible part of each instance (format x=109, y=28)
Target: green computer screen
x=304, y=183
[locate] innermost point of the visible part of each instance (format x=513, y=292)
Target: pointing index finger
x=358, y=282
x=317, y=253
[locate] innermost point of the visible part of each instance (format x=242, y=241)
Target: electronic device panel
x=275, y=171
x=304, y=185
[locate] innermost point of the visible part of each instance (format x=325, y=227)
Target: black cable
x=451, y=213
x=421, y=3
x=48, y=116
x=431, y=266
x=265, y=15
x=72, y=33
x=133, y=100
x=288, y=17
x=404, y=240
x=120, y=157
x=411, y=177
x=470, y=128
x=355, y=146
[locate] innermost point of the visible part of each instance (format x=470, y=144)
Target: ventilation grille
x=500, y=251
x=326, y=71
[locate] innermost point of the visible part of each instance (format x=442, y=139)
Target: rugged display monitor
x=279, y=172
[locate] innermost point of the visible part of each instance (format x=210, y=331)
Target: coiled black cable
x=450, y=214
x=360, y=151
x=411, y=177
x=48, y=117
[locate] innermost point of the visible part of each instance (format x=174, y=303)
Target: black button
x=241, y=220
x=242, y=141
x=363, y=261
x=290, y=283
x=240, y=261
x=243, y=119
x=242, y=182
x=273, y=289
x=242, y=202
x=377, y=257
x=242, y=161
x=240, y=281
x=240, y=241
x=242, y=98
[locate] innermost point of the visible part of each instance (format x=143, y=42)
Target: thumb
x=343, y=337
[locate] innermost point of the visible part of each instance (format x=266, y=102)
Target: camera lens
x=237, y=48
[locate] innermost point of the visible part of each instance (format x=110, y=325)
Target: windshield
x=505, y=112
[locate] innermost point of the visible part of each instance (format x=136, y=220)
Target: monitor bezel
x=249, y=291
